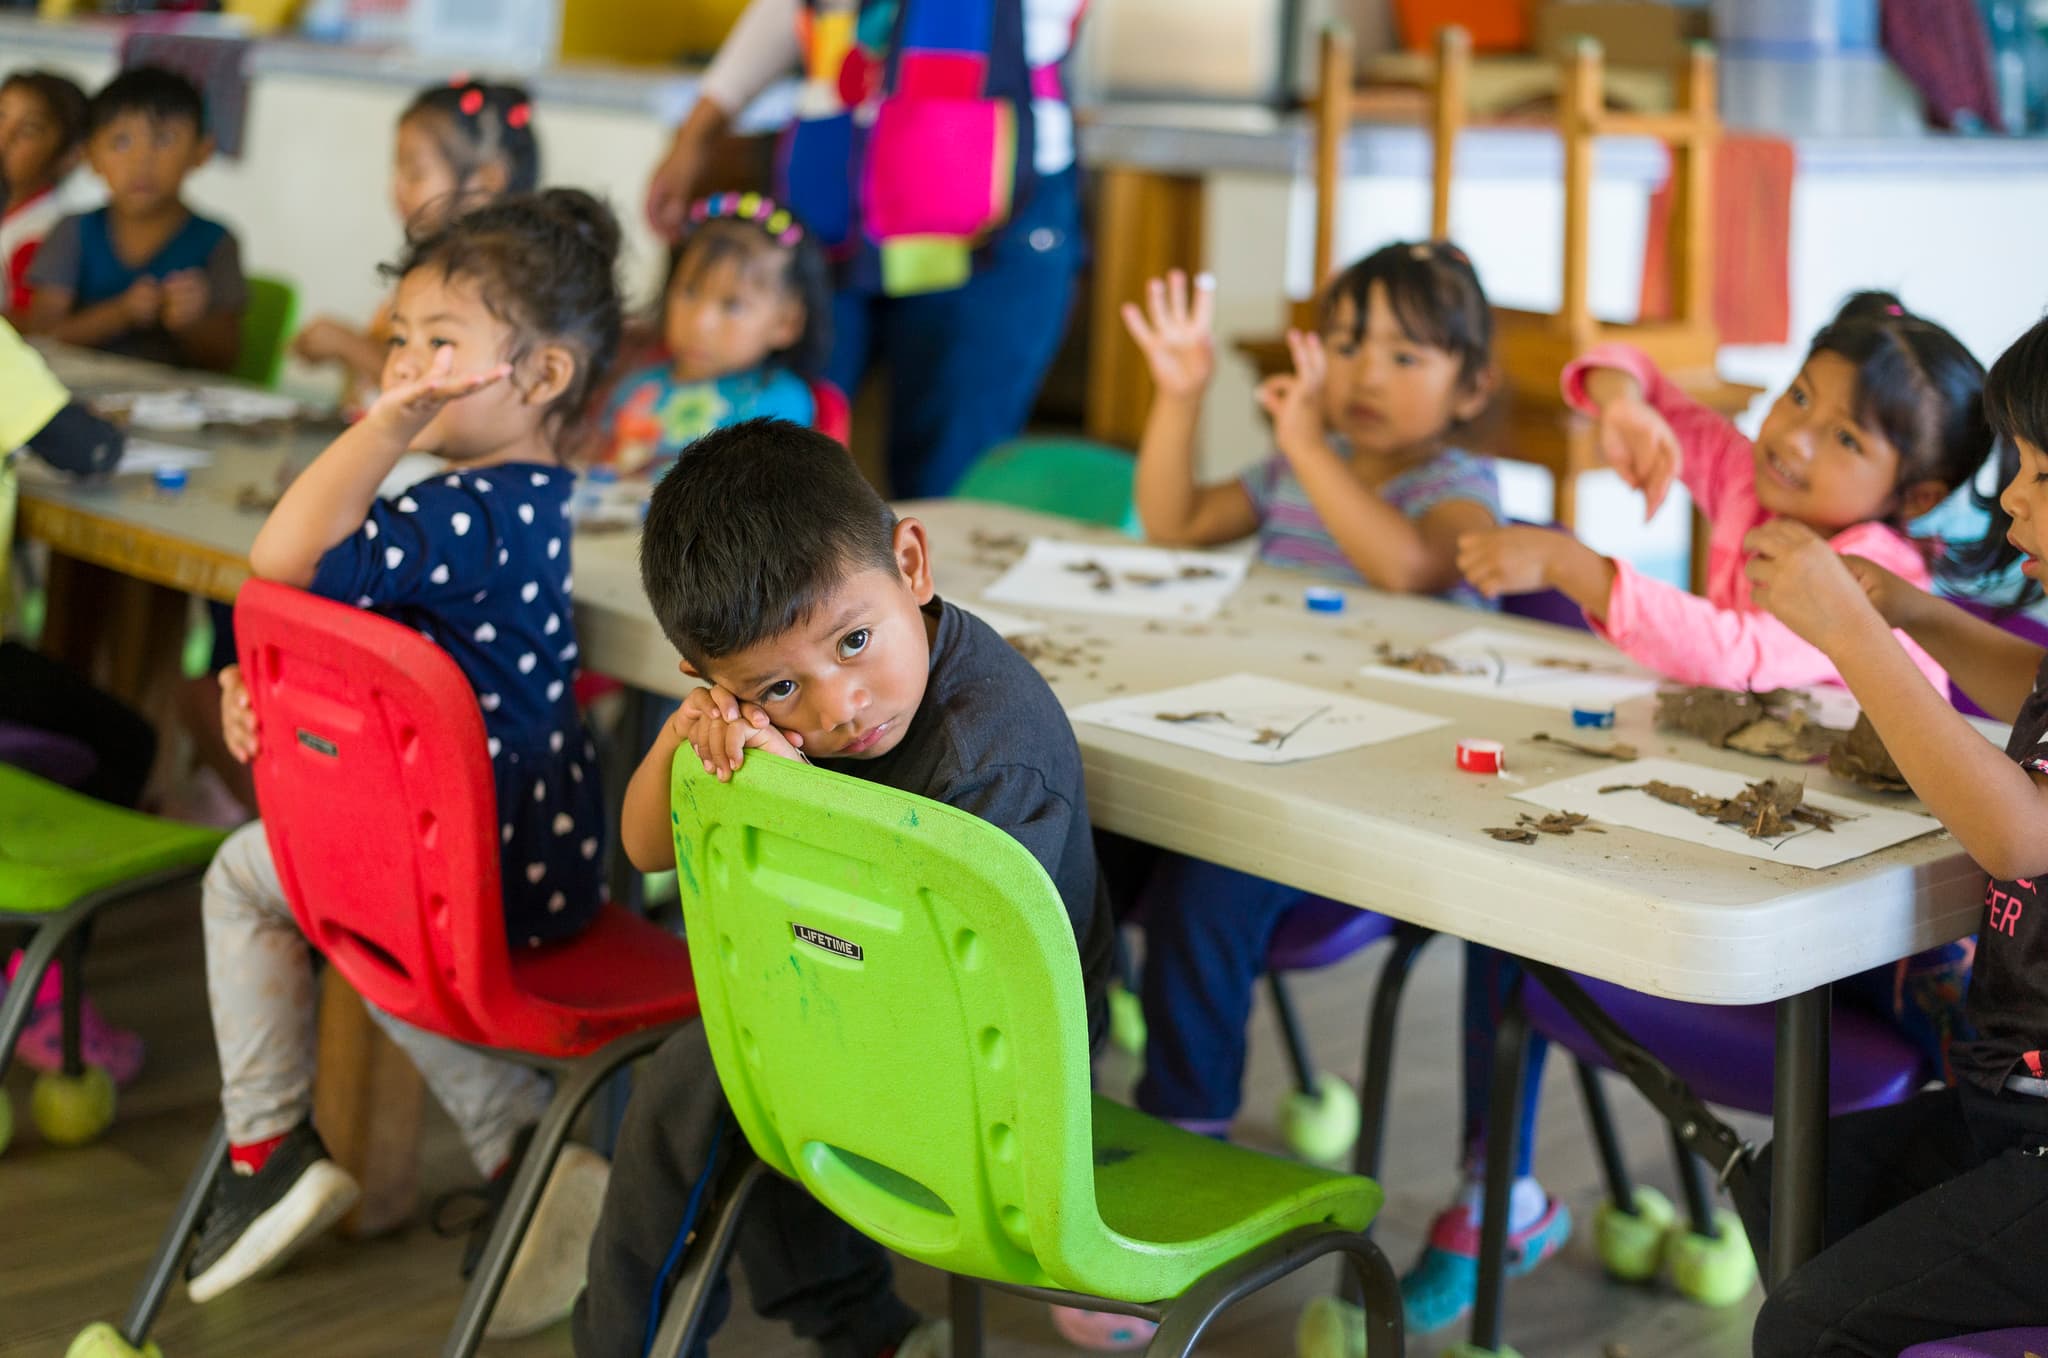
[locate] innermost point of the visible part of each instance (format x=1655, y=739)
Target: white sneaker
x=553, y=1256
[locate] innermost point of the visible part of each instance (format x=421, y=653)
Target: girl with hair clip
x=745, y=325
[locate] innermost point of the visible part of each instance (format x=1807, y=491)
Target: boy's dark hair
x=475, y=123
x=1918, y=386
x=546, y=264
x=751, y=531
x=155, y=91
x=62, y=97
x=804, y=274
x=1435, y=296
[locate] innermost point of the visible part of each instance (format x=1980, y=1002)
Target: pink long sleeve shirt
x=1722, y=639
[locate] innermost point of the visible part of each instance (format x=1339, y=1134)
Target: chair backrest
x=1077, y=478
x=266, y=329
x=377, y=798
x=892, y=994
x=831, y=414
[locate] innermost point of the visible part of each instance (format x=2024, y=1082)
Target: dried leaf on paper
x=1764, y=810
x=1423, y=661
x=1526, y=828
x=1779, y=724
x=1620, y=749
x=1178, y=717
x=1862, y=758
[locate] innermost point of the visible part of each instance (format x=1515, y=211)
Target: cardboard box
x=1631, y=32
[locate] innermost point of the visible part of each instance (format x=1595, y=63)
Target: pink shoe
x=41, y=1047
x=1102, y=1331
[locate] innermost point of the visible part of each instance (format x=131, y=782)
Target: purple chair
x=2027, y=1343
x=51, y=757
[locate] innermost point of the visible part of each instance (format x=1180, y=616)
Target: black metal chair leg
x=964, y=1301
x=710, y=1255
x=71, y=992
x=1189, y=1317
x=170, y=1251
x=44, y=942
x=1381, y=1024
x=530, y=1179
x=1503, y=1121
x=1621, y=1189
x=1692, y=1181
x=1290, y=1032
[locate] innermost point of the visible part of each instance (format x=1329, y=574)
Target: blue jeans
x=1207, y=930
x=965, y=366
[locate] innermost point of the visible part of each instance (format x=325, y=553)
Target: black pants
x=37, y=691
x=1936, y=1213
x=804, y=1265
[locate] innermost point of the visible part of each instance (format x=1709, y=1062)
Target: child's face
x=1385, y=393
x=31, y=144
x=1814, y=462
x=423, y=182
x=2025, y=497
x=144, y=159
x=728, y=316
x=849, y=677
x=432, y=312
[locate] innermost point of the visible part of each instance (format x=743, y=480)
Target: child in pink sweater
x=1884, y=420
x=1881, y=424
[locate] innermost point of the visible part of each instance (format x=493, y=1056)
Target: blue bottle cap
x=169, y=479
x=1600, y=718
x=1323, y=599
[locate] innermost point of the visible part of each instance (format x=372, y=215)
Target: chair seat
x=1727, y=1052
x=1189, y=1203
x=1320, y=933
x=57, y=845
x=620, y=975
x=2027, y=1343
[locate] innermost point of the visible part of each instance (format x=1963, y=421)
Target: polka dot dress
x=478, y=562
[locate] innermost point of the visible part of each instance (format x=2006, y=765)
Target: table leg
x=1799, y=1121
x=367, y=1100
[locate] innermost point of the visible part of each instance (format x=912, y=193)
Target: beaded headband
x=758, y=208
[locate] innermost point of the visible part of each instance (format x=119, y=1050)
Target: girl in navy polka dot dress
x=502, y=321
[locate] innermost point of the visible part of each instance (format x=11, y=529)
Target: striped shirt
x=1292, y=533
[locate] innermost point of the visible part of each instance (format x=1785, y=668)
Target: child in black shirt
x=789, y=586
x=1937, y=1207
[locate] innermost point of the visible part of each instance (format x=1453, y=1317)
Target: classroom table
x=1394, y=827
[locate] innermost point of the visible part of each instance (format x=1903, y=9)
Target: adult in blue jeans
x=963, y=300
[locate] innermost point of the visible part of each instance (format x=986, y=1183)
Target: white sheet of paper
x=1141, y=582
x=1259, y=720
x=1874, y=827
x=1513, y=669
x=1006, y=625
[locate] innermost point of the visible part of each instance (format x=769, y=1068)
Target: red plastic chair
x=833, y=416
x=378, y=803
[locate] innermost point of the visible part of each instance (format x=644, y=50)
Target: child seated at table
x=1882, y=422
x=458, y=146
x=145, y=275
x=1369, y=484
x=745, y=325
x=42, y=129
x=1933, y=1206
x=788, y=585
x=502, y=321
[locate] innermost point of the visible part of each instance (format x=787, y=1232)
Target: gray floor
x=77, y=1225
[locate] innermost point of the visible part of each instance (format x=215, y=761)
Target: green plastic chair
x=266, y=330
x=64, y=857
x=892, y=995
x=1076, y=478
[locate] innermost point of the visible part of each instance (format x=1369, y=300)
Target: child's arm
x=1651, y=432
x=50, y=314
x=208, y=336
x=1180, y=350
x=327, y=340
x=1994, y=667
x=328, y=500
x=1391, y=550
x=1997, y=809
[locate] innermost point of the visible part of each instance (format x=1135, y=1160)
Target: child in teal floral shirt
x=744, y=324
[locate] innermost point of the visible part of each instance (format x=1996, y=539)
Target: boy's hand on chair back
x=237, y=717
x=720, y=729
x=1174, y=331
x=1638, y=443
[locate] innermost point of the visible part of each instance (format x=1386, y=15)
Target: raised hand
x=1175, y=332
